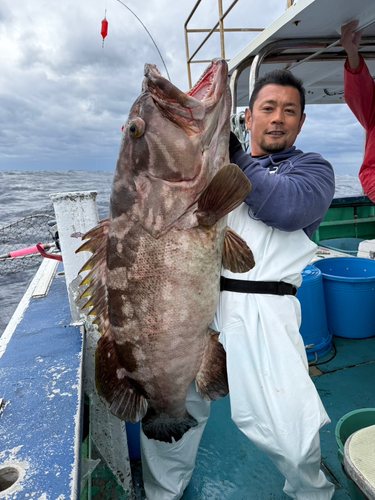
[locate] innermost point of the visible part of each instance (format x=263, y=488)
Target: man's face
x=276, y=119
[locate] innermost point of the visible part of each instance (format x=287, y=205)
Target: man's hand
x=234, y=144
x=350, y=41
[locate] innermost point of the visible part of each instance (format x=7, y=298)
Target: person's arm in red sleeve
x=359, y=85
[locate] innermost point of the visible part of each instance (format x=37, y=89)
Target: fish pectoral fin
x=237, y=256
x=224, y=193
x=211, y=380
x=114, y=386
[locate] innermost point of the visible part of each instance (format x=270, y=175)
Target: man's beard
x=273, y=148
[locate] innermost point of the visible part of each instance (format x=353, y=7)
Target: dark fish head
x=173, y=145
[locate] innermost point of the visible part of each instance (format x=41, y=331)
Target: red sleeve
x=360, y=93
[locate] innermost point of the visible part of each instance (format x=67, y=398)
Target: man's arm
x=294, y=198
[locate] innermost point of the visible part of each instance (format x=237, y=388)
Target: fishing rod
x=26, y=251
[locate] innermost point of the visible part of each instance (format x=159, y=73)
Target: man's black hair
x=281, y=77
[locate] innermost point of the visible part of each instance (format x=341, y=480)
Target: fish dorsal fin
x=237, y=256
x=224, y=193
x=96, y=292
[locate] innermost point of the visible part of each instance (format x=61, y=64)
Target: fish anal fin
x=237, y=256
x=211, y=379
x=224, y=193
x=114, y=386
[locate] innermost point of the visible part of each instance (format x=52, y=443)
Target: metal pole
x=213, y=29
x=187, y=41
x=188, y=58
x=233, y=90
x=254, y=72
x=221, y=21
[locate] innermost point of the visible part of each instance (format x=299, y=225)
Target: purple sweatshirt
x=291, y=190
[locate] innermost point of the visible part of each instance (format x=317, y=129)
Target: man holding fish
x=273, y=400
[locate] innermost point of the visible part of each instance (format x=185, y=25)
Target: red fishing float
x=104, y=31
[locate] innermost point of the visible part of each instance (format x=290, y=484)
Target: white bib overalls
x=273, y=400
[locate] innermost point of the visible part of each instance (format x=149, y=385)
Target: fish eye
x=137, y=128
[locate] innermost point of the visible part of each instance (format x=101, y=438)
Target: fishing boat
x=57, y=441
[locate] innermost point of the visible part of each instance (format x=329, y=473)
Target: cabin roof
x=308, y=27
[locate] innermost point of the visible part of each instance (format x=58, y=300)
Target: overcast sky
x=64, y=99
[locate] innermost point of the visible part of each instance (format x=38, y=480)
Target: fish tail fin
x=163, y=428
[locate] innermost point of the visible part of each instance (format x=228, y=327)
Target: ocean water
x=24, y=193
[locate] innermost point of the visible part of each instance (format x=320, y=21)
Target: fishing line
x=104, y=34
x=149, y=34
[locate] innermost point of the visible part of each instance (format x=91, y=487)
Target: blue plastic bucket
x=344, y=245
x=134, y=439
x=349, y=290
x=314, y=326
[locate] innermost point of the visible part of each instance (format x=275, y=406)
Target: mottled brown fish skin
x=160, y=320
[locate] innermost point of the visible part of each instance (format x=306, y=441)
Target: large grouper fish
x=154, y=278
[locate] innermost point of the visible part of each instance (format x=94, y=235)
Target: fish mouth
x=186, y=109
x=211, y=84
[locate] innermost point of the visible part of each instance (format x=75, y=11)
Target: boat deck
x=230, y=467
x=41, y=388
x=43, y=360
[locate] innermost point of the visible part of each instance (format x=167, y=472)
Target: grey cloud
x=63, y=99
x=333, y=132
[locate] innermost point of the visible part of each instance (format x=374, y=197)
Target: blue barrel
x=349, y=290
x=314, y=326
